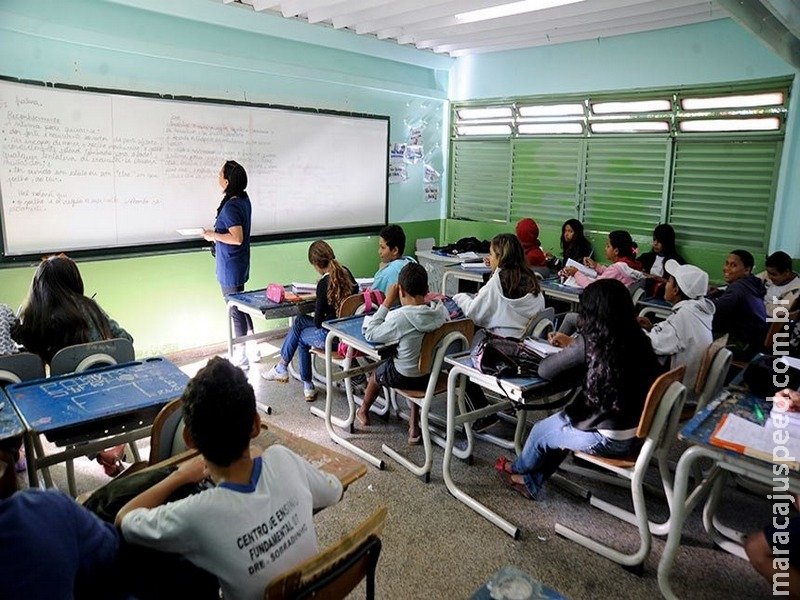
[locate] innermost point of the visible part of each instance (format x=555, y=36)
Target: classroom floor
x=436, y=547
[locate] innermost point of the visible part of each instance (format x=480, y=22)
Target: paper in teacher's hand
x=193, y=231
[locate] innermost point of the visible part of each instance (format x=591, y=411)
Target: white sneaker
x=310, y=394
x=274, y=375
x=241, y=362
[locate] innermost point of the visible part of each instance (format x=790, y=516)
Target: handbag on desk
x=503, y=356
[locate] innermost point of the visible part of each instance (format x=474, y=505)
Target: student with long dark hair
x=612, y=358
x=573, y=243
x=621, y=251
x=663, y=250
x=57, y=314
x=231, y=238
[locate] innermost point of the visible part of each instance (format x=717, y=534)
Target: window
x=704, y=159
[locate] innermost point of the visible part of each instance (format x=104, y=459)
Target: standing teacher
x=231, y=237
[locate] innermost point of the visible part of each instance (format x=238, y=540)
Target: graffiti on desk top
x=147, y=383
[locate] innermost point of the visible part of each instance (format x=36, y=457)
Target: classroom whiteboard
x=87, y=170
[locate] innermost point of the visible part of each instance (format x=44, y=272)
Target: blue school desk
x=457, y=272
x=10, y=425
x=348, y=329
x=698, y=432
x=92, y=410
x=552, y=288
x=255, y=303
x=530, y=391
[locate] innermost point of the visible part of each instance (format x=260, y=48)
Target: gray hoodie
x=406, y=326
x=685, y=335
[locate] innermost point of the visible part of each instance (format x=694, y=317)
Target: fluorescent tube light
x=508, y=9
x=766, y=124
x=741, y=101
x=484, y=129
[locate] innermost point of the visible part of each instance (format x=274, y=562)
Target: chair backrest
x=166, y=435
x=654, y=396
x=20, y=367
x=335, y=572
x=539, y=323
x=355, y=303
x=715, y=377
x=708, y=358
x=81, y=357
x=637, y=290
x=432, y=341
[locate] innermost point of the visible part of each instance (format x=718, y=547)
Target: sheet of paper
x=468, y=255
x=540, y=347
x=194, y=231
x=571, y=282
x=737, y=431
x=581, y=267
x=475, y=266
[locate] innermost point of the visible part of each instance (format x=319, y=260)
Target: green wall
x=206, y=49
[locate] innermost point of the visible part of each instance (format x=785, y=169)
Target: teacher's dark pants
x=242, y=322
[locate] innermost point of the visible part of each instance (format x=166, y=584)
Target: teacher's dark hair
x=614, y=340
x=236, y=176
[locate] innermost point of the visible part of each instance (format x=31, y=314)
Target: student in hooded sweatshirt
x=783, y=284
x=740, y=308
x=528, y=235
x=686, y=333
x=503, y=306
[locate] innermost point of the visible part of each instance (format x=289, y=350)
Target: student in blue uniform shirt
x=391, y=246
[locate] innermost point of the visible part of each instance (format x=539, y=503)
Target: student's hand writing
x=569, y=271
x=392, y=294
x=788, y=400
x=559, y=340
x=193, y=470
x=644, y=323
x=589, y=262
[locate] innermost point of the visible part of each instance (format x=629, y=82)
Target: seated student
x=503, y=306
x=7, y=318
x=50, y=546
x=775, y=551
x=782, y=283
x=336, y=284
x=574, y=245
x=663, y=250
x=621, y=251
x=229, y=529
x=391, y=246
x=406, y=325
x=57, y=314
x=686, y=333
x=528, y=235
x=740, y=310
x=612, y=360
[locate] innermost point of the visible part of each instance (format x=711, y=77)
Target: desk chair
x=712, y=372
x=355, y=304
x=657, y=428
x=335, y=572
x=637, y=290
x=540, y=324
x=453, y=336
x=84, y=357
x=24, y=366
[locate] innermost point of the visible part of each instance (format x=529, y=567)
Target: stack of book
x=304, y=288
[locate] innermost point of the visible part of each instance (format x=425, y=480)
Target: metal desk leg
x=230, y=332
x=452, y=382
x=329, y=406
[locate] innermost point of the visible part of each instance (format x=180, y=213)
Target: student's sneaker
x=241, y=362
x=310, y=394
x=274, y=374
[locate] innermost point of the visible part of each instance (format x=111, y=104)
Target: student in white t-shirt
x=257, y=520
x=783, y=284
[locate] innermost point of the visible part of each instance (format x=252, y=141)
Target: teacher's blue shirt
x=233, y=262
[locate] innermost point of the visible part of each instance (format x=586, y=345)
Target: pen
x=93, y=295
x=759, y=412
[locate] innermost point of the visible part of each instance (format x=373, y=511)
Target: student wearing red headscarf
x=528, y=234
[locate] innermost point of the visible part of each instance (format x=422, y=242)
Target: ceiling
x=431, y=24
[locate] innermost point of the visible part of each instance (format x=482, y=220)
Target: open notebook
x=751, y=439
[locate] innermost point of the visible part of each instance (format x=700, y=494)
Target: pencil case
x=275, y=293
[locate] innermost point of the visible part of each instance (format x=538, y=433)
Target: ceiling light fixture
x=508, y=9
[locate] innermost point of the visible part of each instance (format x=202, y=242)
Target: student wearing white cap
x=686, y=333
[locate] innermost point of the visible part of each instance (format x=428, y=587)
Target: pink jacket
x=620, y=270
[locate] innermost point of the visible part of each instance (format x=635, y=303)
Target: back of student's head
x=237, y=178
x=614, y=340
x=219, y=407
x=413, y=278
x=780, y=261
x=746, y=257
x=56, y=313
x=395, y=237
x=623, y=242
x=665, y=234
x=321, y=255
x=516, y=276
